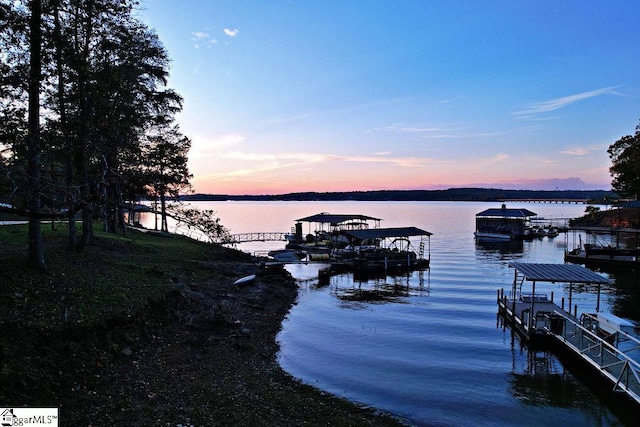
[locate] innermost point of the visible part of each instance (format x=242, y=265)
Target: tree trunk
x=163, y=210
x=36, y=250
x=70, y=193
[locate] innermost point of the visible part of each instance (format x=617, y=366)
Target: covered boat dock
x=503, y=222
x=324, y=229
x=388, y=248
x=535, y=316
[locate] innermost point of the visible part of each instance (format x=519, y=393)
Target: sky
x=285, y=96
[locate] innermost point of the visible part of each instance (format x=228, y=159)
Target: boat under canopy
x=503, y=222
x=530, y=311
x=387, y=248
x=604, y=341
x=325, y=228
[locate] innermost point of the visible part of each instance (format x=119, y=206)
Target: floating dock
x=351, y=242
x=503, y=223
x=605, y=247
x=594, y=339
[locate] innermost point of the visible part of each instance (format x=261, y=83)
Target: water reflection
x=500, y=246
x=538, y=378
x=625, y=295
x=383, y=288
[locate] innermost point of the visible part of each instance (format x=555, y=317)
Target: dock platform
x=536, y=317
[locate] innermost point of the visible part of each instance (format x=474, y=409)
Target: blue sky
x=325, y=95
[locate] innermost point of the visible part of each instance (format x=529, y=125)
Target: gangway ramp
x=616, y=364
x=257, y=237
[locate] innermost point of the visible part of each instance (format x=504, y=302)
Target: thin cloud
x=199, y=35
x=202, y=38
x=429, y=132
x=239, y=173
x=406, y=129
x=309, y=158
x=208, y=146
x=336, y=111
x=558, y=103
x=465, y=135
x=231, y=33
x=498, y=158
x=576, y=151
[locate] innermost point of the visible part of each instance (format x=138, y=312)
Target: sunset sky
x=339, y=95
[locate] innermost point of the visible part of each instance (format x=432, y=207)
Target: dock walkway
x=612, y=362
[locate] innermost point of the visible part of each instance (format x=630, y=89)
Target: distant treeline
x=452, y=194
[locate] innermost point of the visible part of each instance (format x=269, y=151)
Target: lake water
x=435, y=353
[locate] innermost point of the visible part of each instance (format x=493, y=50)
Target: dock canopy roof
x=507, y=212
x=336, y=218
x=386, y=233
x=569, y=273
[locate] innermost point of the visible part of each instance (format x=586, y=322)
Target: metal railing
x=615, y=364
x=258, y=237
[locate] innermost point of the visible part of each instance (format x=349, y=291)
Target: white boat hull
x=494, y=236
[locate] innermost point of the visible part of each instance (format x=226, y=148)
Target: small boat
x=552, y=232
x=493, y=233
x=244, y=281
x=285, y=255
x=538, y=231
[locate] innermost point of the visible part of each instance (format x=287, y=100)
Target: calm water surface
x=435, y=353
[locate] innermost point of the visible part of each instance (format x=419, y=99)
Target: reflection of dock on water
x=383, y=288
x=593, y=338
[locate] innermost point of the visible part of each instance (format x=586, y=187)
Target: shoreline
x=203, y=354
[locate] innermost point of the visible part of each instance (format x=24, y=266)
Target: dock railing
x=614, y=363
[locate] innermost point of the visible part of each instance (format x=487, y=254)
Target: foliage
x=105, y=110
x=164, y=162
x=202, y=221
x=591, y=211
x=452, y=194
x=625, y=169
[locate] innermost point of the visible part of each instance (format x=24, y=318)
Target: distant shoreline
x=453, y=194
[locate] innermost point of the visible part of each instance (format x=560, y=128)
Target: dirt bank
x=202, y=354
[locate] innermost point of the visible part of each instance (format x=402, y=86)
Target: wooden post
x=570, y=294
x=533, y=302
x=513, y=292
